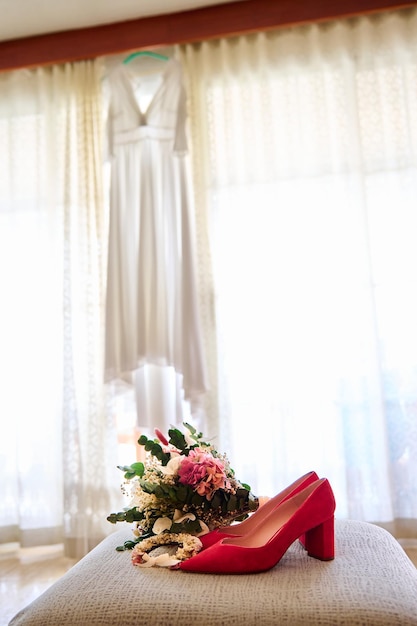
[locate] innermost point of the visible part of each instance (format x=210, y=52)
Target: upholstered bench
x=371, y=581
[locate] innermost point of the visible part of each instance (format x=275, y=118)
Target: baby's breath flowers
x=184, y=488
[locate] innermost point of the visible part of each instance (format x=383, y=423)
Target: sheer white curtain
x=58, y=449
x=305, y=153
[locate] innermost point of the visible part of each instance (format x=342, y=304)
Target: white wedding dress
x=151, y=307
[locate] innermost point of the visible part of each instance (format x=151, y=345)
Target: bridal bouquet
x=183, y=489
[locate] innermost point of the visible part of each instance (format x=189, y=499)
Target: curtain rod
x=223, y=20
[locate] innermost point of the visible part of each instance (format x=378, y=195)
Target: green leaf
x=168, y=492
x=124, y=468
x=138, y=468
x=159, y=493
x=157, y=450
x=187, y=526
x=232, y=504
x=197, y=500
x=195, y=435
x=177, y=439
x=147, y=486
x=172, y=494
x=216, y=501
x=128, y=515
x=190, y=428
x=182, y=493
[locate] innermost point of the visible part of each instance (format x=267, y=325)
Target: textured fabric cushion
x=371, y=581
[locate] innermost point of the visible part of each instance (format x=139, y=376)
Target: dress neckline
x=127, y=77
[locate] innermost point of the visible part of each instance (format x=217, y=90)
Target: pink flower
x=203, y=472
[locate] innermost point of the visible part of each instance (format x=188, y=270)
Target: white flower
x=162, y=560
x=204, y=528
x=171, y=468
x=161, y=524
x=179, y=517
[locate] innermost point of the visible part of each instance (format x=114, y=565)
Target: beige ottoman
x=371, y=581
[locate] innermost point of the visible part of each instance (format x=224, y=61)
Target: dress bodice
x=165, y=112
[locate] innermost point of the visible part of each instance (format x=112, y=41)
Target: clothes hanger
x=147, y=53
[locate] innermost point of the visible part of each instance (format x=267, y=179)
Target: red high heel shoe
x=309, y=512
x=256, y=518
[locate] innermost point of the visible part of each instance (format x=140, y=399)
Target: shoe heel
x=319, y=541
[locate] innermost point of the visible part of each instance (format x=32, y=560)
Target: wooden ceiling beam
x=243, y=16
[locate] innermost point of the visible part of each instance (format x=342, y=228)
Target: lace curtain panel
x=305, y=152
x=58, y=449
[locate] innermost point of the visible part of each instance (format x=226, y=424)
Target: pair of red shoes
x=304, y=510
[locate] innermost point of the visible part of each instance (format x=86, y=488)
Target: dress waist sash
x=142, y=132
